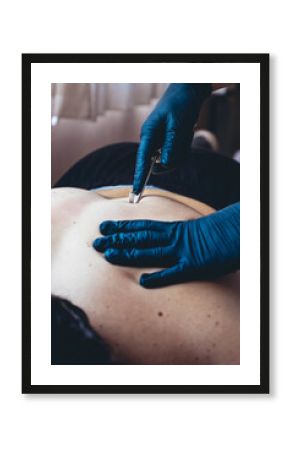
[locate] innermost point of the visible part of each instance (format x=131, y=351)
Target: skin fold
x=189, y=323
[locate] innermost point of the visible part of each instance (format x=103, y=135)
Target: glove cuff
x=203, y=90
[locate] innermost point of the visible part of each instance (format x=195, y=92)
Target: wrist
x=204, y=90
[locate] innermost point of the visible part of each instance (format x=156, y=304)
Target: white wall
x=72, y=139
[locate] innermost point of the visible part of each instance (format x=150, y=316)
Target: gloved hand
x=199, y=249
x=169, y=127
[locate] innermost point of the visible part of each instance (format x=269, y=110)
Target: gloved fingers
x=166, y=277
x=155, y=257
x=170, y=146
x=140, y=239
x=176, y=143
x=116, y=226
x=147, y=147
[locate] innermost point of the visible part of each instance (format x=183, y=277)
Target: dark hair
x=73, y=341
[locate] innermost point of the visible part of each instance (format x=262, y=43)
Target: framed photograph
x=141, y=273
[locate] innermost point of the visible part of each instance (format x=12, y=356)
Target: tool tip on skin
x=134, y=198
x=137, y=198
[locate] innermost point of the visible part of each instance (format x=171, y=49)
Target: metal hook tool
x=135, y=198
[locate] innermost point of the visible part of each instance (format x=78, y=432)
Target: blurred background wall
x=85, y=117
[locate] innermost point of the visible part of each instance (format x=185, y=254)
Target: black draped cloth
x=205, y=176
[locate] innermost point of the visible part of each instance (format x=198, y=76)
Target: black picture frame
x=263, y=61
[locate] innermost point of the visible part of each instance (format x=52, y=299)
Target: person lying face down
x=190, y=323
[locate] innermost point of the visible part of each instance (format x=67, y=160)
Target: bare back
x=189, y=323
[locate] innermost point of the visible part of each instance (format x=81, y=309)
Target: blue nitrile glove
x=199, y=249
x=169, y=127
